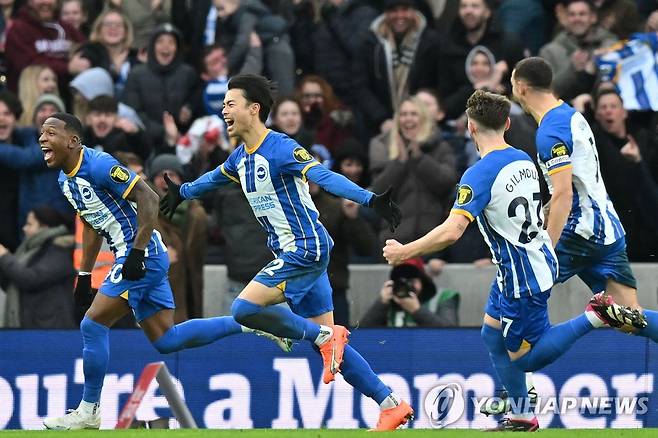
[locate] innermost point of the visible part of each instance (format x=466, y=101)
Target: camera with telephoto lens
x=402, y=287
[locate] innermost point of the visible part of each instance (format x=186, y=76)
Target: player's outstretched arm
x=209, y=181
x=439, y=238
x=337, y=184
x=561, y=201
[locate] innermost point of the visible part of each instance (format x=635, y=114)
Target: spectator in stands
x=8, y=9
x=34, y=81
x=20, y=152
x=237, y=24
x=413, y=159
x=92, y=83
x=36, y=36
x=72, y=12
x=336, y=39
x=527, y=19
x=410, y=299
x=10, y=110
x=620, y=17
x=215, y=73
x=351, y=160
x=629, y=166
x=474, y=27
x=185, y=236
x=105, y=131
x=163, y=84
x=399, y=55
x=328, y=120
x=110, y=47
x=570, y=54
x=45, y=106
x=286, y=117
x=302, y=18
x=350, y=232
x=39, y=274
x=145, y=16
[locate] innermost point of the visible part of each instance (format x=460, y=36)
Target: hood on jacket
x=469, y=59
x=152, y=62
x=93, y=82
x=380, y=28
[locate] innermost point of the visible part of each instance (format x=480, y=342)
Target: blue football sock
x=555, y=342
x=196, y=332
x=357, y=372
x=276, y=320
x=651, y=330
x=512, y=377
x=95, y=357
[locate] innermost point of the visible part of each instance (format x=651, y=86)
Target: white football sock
x=88, y=408
x=325, y=334
x=390, y=402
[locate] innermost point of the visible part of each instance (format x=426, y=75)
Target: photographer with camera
x=410, y=299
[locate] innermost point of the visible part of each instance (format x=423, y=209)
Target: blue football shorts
x=594, y=263
x=522, y=319
x=147, y=295
x=304, y=283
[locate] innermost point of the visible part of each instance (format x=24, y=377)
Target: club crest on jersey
x=464, y=194
x=301, y=155
x=261, y=173
x=559, y=150
x=119, y=174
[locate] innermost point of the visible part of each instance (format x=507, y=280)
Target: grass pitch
x=324, y=433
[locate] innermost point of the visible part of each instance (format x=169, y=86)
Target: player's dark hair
x=489, y=110
x=13, y=103
x=71, y=122
x=605, y=92
x=256, y=89
x=104, y=104
x=535, y=71
x=590, y=4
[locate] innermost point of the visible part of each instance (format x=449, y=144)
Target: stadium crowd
x=374, y=89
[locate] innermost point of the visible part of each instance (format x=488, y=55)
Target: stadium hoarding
x=605, y=380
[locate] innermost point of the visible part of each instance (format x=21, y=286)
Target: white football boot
x=75, y=419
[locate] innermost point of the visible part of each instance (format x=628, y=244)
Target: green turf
x=323, y=433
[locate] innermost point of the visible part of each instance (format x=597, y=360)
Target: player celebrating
x=502, y=192
x=116, y=204
x=272, y=170
x=583, y=224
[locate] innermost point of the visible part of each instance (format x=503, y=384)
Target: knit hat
x=49, y=98
x=392, y=4
x=415, y=268
x=165, y=162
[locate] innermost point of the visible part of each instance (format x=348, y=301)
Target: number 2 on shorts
x=273, y=266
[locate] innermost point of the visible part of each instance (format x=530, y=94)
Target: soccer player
x=502, y=192
x=272, y=170
x=115, y=204
x=582, y=222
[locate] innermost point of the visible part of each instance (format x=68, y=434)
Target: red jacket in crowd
x=31, y=41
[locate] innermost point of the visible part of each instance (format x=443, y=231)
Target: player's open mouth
x=229, y=122
x=48, y=153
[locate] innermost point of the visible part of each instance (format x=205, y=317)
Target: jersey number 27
x=526, y=237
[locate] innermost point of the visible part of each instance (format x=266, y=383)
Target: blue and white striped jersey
x=97, y=189
x=633, y=67
x=273, y=176
x=502, y=192
x=565, y=140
